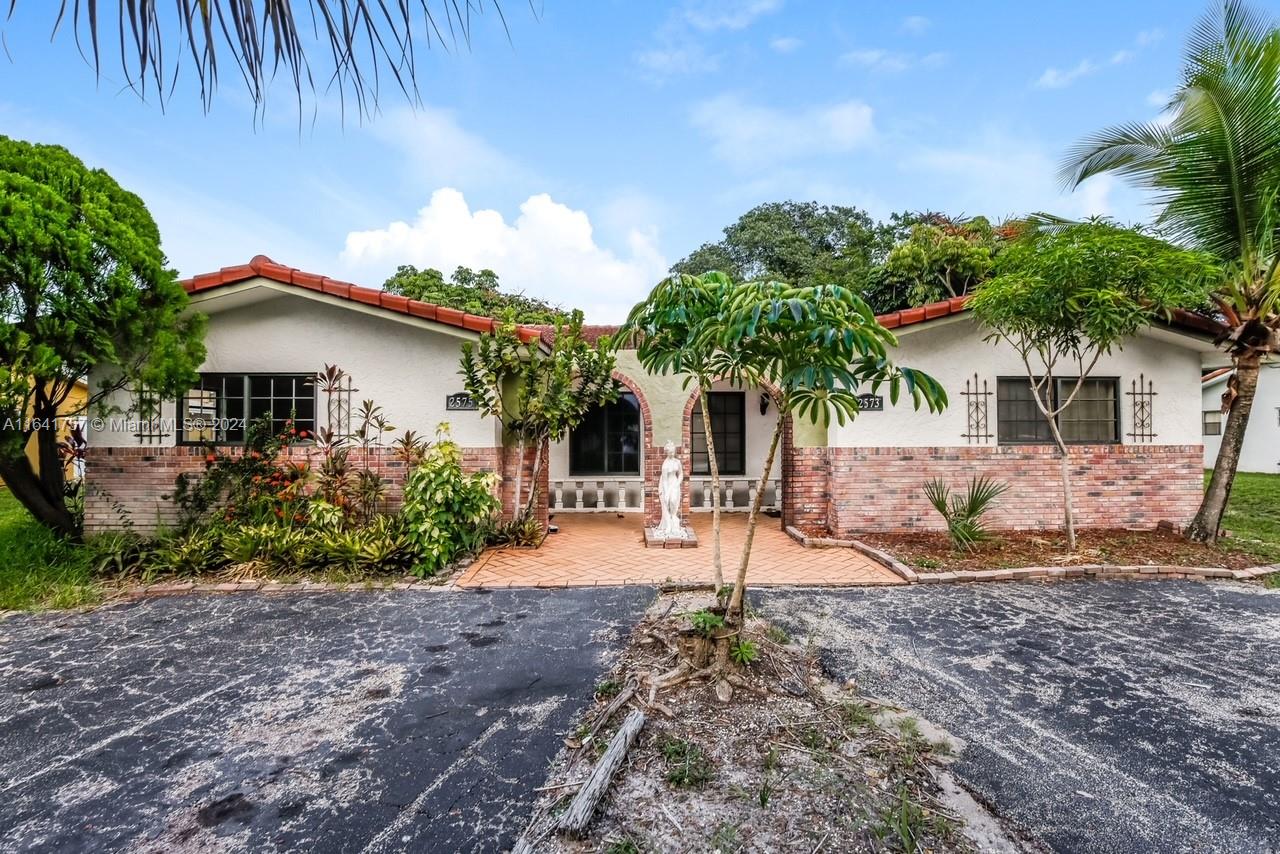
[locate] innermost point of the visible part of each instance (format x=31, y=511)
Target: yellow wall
x=72, y=406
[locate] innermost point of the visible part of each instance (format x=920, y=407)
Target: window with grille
x=1092, y=418
x=1212, y=422
x=608, y=440
x=219, y=408
x=728, y=411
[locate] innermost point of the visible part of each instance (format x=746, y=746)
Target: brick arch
x=686, y=439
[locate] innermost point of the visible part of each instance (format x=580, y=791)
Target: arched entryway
x=742, y=421
x=602, y=464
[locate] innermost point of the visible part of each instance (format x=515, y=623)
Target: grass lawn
x=37, y=570
x=1253, y=518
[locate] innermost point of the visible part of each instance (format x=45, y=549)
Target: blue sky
x=610, y=138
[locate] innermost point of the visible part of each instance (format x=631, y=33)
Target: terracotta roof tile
x=264, y=267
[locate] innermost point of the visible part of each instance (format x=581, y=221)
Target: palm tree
x=1213, y=165
x=367, y=40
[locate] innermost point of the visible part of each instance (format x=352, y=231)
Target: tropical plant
x=1065, y=297
x=470, y=291
x=445, y=510
x=1213, y=166
x=963, y=512
x=676, y=331
x=538, y=395
x=941, y=258
x=816, y=349
x=83, y=286
x=369, y=41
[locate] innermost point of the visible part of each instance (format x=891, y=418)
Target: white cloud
x=1056, y=78
x=549, y=251
x=439, y=151
x=1053, y=78
x=1159, y=98
x=785, y=44
x=890, y=62
x=712, y=15
x=749, y=135
x=671, y=59
x=997, y=174
x=916, y=24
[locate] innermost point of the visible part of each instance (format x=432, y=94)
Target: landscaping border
x=1034, y=573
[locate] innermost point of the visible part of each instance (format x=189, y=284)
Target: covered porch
x=594, y=549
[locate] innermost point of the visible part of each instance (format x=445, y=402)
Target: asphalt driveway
x=1099, y=716
x=337, y=722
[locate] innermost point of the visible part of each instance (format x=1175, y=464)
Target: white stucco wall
x=952, y=350
x=405, y=365
x=1261, y=449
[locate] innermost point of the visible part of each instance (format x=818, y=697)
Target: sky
x=603, y=140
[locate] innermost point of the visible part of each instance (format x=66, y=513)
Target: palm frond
x=368, y=42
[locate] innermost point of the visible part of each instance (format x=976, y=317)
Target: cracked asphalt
x=357, y=722
x=1099, y=716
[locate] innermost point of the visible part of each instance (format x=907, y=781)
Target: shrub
x=963, y=512
x=446, y=512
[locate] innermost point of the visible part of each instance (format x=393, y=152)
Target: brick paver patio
x=600, y=548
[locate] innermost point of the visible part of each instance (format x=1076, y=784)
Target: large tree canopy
x=83, y=283
x=472, y=291
x=801, y=242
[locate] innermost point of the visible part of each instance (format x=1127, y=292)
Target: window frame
x=639, y=470
x=1057, y=386
x=1204, y=422
x=694, y=432
x=246, y=397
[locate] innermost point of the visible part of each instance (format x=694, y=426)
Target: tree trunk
x=26, y=486
x=717, y=566
x=1204, y=528
x=1068, y=509
x=518, y=501
x=740, y=583
x=534, y=477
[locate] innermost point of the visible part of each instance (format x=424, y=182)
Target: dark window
x=1092, y=418
x=729, y=430
x=608, y=439
x=219, y=408
x=1212, y=421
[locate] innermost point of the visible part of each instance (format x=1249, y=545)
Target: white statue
x=670, y=493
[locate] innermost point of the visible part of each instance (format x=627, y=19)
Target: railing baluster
x=599, y=494
x=559, y=493
x=577, y=504
x=728, y=495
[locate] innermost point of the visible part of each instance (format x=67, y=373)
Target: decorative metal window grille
x=150, y=424
x=1141, y=396
x=977, y=399
x=338, y=389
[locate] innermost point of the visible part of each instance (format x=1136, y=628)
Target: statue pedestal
x=654, y=540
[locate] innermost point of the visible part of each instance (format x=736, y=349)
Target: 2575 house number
x=459, y=401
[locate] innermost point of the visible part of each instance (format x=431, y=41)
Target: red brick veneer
x=878, y=489
x=138, y=482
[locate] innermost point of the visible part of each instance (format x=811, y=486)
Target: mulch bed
x=933, y=552
x=791, y=763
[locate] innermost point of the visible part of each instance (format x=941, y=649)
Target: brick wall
x=1125, y=486
x=510, y=457
x=137, y=482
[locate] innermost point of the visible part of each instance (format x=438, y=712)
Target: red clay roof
x=1213, y=375
x=1181, y=318
x=264, y=267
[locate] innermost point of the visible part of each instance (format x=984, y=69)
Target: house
x=1134, y=432
x=1261, y=449
x=70, y=413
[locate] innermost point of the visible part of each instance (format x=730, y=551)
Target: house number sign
x=871, y=402
x=459, y=401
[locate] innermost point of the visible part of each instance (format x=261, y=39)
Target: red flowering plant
x=249, y=485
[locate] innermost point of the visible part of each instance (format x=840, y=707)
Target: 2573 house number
x=871, y=402
x=459, y=401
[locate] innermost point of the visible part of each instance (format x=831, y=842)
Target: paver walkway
x=600, y=548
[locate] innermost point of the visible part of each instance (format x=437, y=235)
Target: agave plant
x=963, y=512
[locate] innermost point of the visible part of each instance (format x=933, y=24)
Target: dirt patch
x=791, y=763
x=927, y=551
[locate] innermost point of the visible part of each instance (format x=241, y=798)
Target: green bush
x=446, y=512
